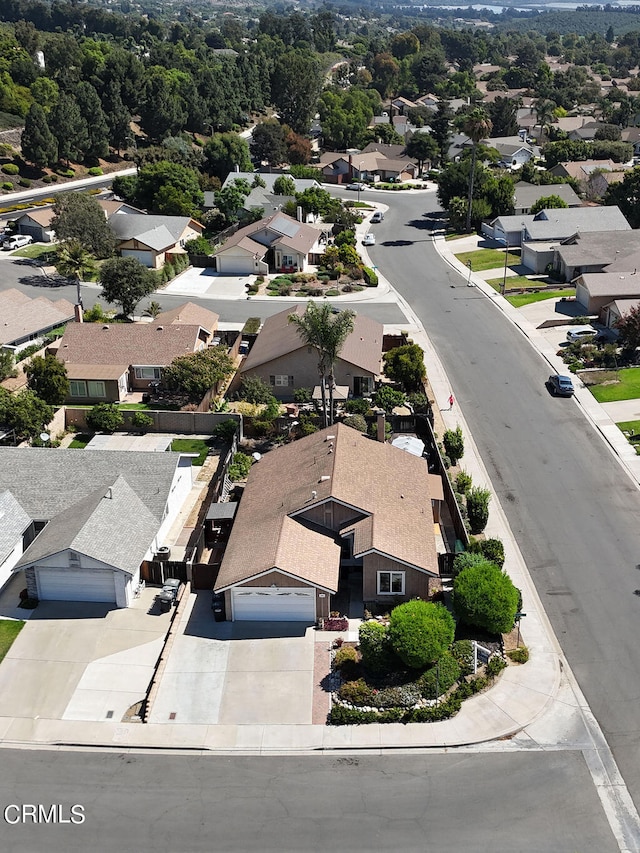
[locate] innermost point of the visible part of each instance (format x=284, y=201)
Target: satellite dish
x=44, y=436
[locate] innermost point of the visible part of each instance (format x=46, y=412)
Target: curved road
x=573, y=511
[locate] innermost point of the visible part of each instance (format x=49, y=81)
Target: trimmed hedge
x=10, y=169
x=443, y=675
x=370, y=277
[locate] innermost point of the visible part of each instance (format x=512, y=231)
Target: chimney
x=78, y=315
x=299, y=213
x=381, y=419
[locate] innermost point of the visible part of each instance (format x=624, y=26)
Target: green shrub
x=7, y=185
x=495, y=666
x=466, y=559
x=463, y=482
x=341, y=716
x=375, y=647
x=95, y=171
x=478, y=508
x=141, y=421
x=520, y=655
x=462, y=651
x=491, y=549
x=453, y=444
x=66, y=173
x=345, y=655
x=483, y=595
x=398, y=696
x=358, y=406
x=440, y=677
x=302, y=395
x=332, y=292
x=388, y=398
x=420, y=631
x=54, y=178
x=324, y=277
x=356, y=422
x=356, y=692
x=239, y=467
x=24, y=182
x=226, y=430
x=370, y=277
x=255, y=390
x=105, y=416
x=10, y=169
x=419, y=402
x=252, y=325
x=47, y=179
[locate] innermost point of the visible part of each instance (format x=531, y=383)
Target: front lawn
x=487, y=259
x=632, y=431
x=31, y=252
x=191, y=445
x=518, y=300
x=626, y=386
x=9, y=630
x=515, y=282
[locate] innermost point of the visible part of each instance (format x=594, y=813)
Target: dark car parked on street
x=560, y=386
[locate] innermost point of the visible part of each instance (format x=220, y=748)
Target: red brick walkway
x=321, y=697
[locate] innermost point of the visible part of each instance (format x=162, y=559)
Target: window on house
x=77, y=388
x=148, y=373
x=288, y=261
x=96, y=389
x=281, y=381
x=362, y=386
x=391, y=583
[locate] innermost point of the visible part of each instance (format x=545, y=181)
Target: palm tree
x=75, y=262
x=544, y=114
x=477, y=125
x=326, y=332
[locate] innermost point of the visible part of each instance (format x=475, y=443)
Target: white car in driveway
x=582, y=333
x=369, y=240
x=17, y=241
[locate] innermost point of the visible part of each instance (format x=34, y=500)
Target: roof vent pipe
x=329, y=437
x=314, y=495
x=324, y=478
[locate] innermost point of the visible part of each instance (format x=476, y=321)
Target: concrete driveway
x=82, y=661
x=238, y=673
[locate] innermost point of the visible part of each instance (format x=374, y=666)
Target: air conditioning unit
x=163, y=554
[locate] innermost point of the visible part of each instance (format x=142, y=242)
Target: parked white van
x=17, y=241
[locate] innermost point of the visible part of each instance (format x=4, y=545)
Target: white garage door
x=93, y=585
x=145, y=258
x=234, y=265
x=268, y=604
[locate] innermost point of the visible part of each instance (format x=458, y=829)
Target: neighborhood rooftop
x=21, y=317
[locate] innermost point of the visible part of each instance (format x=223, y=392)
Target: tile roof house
x=153, y=240
x=275, y=242
x=86, y=541
x=582, y=170
x=317, y=512
x=280, y=359
x=106, y=361
x=23, y=319
x=376, y=162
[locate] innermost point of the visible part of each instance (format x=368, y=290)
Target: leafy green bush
x=7, y=185
x=370, y=277
x=440, y=677
x=462, y=651
x=453, y=444
x=255, y=390
x=483, y=595
x=420, y=631
x=419, y=402
x=478, y=508
x=358, y=406
x=10, y=169
x=141, y=421
x=463, y=482
x=341, y=716
x=106, y=417
x=226, y=430
x=388, y=398
x=345, y=655
x=397, y=696
x=491, y=549
x=356, y=422
x=332, y=292
x=24, y=182
x=324, y=277
x=375, y=647
x=302, y=395
x=239, y=467
x=495, y=666
x=95, y=171
x=520, y=655
x=66, y=173
x=356, y=692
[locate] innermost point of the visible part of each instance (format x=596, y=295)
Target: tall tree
x=544, y=114
x=295, y=86
x=422, y=147
x=225, y=151
x=79, y=217
x=440, y=125
x=503, y=113
x=93, y=114
x=125, y=281
x=69, y=128
x=477, y=125
x=25, y=413
x=47, y=377
x=118, y=118
x=326, y=332
x=39, y=145
x=269, y=143
x=75, y=262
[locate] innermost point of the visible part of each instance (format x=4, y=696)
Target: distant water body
x=540, y=7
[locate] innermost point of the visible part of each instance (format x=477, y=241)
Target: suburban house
x=86, y=541
x=526, y=195
x=37, y=223
x=153, y=240
x=513, y=152
x=105, y=362
x=261, y=197
x=277, y=242
x=596, y=252
x=23, y=319
x=376, y=162
x=282, y=360
x=608, y=294
x=583, y=170
x=331, y=509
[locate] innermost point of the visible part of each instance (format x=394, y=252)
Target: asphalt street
x=571, y=508
x=522, y=803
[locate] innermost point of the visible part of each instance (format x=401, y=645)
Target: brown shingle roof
x=279, y=337
x=96, y=371
x=124, y=343
x=21, y=316
x=189, y=314
x=389, y=486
